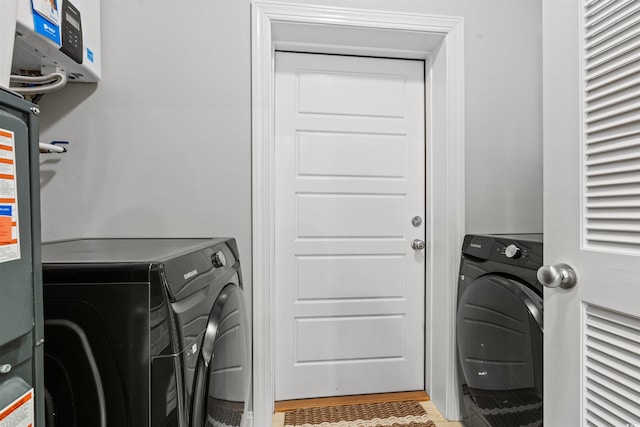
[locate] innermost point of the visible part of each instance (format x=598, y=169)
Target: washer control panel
x=521, y=250
x=520, y=253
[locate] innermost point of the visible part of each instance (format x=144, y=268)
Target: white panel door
x=591, y=66
x=349, y=162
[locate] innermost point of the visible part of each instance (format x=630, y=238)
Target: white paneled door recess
x=612, y=125
x=350, y=168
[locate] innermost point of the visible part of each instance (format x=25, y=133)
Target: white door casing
x=591, y=212
x=349, y=178
x=440, y=41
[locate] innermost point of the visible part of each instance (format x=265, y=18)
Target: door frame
x=439, y=40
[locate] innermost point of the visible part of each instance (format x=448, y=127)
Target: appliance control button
x=512, y=251
x=218, y=259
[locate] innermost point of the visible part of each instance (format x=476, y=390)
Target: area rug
x=387, y=414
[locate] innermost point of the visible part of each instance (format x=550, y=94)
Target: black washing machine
x=499, y=330
x=145, y=332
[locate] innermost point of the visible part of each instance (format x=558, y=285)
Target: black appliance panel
x=97, y=338
x=16, y=304
x=140, y=306
x=522, y=250
x=499, y=330
x=21, y=322
x=106, y=252
x=222, y=375
x=71, y=28
x=495, y=335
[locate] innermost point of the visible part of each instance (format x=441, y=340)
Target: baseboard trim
x=288, y=405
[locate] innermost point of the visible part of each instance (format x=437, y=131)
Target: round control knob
x=218, y=260
x=512, y=251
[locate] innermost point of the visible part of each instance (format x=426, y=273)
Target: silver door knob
x=561, y=275
x=417, y=245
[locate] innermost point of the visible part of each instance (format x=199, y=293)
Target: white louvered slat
x=618, y=64
x=615, y=216
x=608, y=78
x=613, y=182
x=631, y=151
x=614, y=381
x=605, y=393
x=606, y=409
x=608, y=17
x=617, y=238
x=611, y=161
x=612, y=368
x=628, y=94
x=597, y=227
x=612, y=202
x=612, y=49
x=604, y=143
x=612, y=169
x=612, y=349
x=614, y=112
x=631, y=191
x=608, y=34
x=600, y=10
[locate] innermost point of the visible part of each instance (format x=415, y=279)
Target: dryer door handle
x=559, y=275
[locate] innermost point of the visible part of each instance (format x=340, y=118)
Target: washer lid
x=499, y=333
x=122, y=250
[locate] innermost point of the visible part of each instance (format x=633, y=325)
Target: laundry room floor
x=429, y=407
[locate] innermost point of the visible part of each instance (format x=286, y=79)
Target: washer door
x=499, y=333
x=223, y=376
x=74, y=390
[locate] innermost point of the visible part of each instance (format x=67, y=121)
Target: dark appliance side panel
x=229, y=384
x=16, y=264
x=499, y=321
x=194, y=282
x=113, y=318
x=168, y=394
x=20, y=278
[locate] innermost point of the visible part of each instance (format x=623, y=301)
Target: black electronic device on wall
x=71, y=32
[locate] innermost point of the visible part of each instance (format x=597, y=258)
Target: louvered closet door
x=591, y=106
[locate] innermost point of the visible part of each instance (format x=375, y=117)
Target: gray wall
x=503, y=77
x=162, y=145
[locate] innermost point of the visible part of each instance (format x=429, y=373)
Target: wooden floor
x=288, y=405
